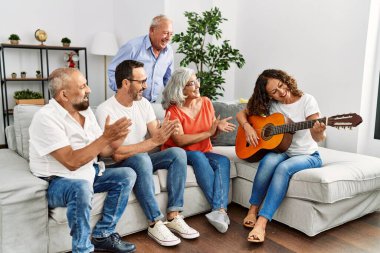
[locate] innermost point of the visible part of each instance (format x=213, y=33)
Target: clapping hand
x=168, y=128
x=226, y=126
x=117, y=131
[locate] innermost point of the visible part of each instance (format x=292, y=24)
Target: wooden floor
x=361, y=235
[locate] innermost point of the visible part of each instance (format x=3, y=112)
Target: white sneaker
x=179, y=226
x=219, y=220
x=161, y=234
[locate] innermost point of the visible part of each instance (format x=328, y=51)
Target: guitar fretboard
x=292, y=127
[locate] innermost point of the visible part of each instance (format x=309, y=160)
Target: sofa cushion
x=226, y=110
x=59, y=214
x=23, y=115
x=343, y=175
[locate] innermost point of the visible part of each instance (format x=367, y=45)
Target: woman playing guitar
x=276, y=91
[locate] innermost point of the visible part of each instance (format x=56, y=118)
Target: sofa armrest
x=23, y=206
x=11, y=137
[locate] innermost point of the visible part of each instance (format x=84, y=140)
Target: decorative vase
x=66, y=44
x=14, y=75
x=14, y=42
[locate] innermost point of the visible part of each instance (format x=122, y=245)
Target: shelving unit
x=44, y=67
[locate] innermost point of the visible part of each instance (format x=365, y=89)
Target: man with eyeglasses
x=156, y=54
x=129, y=102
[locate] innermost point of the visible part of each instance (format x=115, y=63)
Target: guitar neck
x=293, y=127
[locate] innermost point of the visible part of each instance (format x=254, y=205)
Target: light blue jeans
x=76, y=195
x=172, y=159
x=213, y=176
x=272, y=179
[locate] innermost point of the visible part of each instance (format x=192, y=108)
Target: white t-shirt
x=141, y=113
x=53, y=128
x=303, y=143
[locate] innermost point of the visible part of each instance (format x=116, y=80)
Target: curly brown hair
x=260, y=102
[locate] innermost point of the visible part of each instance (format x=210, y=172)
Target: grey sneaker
x=219, y=220
x=226, y=218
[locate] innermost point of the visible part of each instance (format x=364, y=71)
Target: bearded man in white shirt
x=65, y=141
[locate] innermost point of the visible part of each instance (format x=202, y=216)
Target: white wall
x=321, y=43
x=366, y=142
x=78, y=20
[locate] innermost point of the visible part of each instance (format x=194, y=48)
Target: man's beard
x=136, y=96
x=82, y=105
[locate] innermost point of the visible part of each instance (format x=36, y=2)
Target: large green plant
x=211, y=60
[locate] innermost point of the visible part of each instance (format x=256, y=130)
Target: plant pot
x=14, y=42
x=38, y=76
x=14, y=75
x=38, y=101
x=23, y=75
x=65, y=44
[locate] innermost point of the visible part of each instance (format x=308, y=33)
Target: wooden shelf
x=26, y=79
x=6, y=45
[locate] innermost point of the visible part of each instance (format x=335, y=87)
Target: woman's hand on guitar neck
x=318, y=131
x=250, y=135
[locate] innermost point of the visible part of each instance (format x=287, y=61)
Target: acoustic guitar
x=276, y=132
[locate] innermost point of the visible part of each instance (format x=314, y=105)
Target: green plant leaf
x=210, y=59
x=27, y=94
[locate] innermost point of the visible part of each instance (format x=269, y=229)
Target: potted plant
x=211, y=59
x=23, y=74
x=14, y=75
x=28, y=97
x=38, y=74
x=65, y=42
x=14, y=39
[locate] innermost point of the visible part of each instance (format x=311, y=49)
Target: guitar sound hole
x=266, y=134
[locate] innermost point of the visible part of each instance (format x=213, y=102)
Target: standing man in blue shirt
x=154, y=51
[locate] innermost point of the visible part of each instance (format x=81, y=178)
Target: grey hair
x=156, y=21
x=59, y=79
x=173, y=92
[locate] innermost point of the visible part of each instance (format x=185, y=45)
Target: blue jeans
x=213, y=176
x=272, y=179
x=172, y=159
x=76, y=195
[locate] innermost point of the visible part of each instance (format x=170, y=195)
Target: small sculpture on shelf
x=23, y=74
x=28, y=97
x=14, y=75
x=40, y=35
x=14, y=39
x=71, y=59
x=38, y=74
x=65, y=42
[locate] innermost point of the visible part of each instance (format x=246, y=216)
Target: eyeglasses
x=141, y=82
x=193, y=83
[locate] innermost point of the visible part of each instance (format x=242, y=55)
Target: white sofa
x=345, y=188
